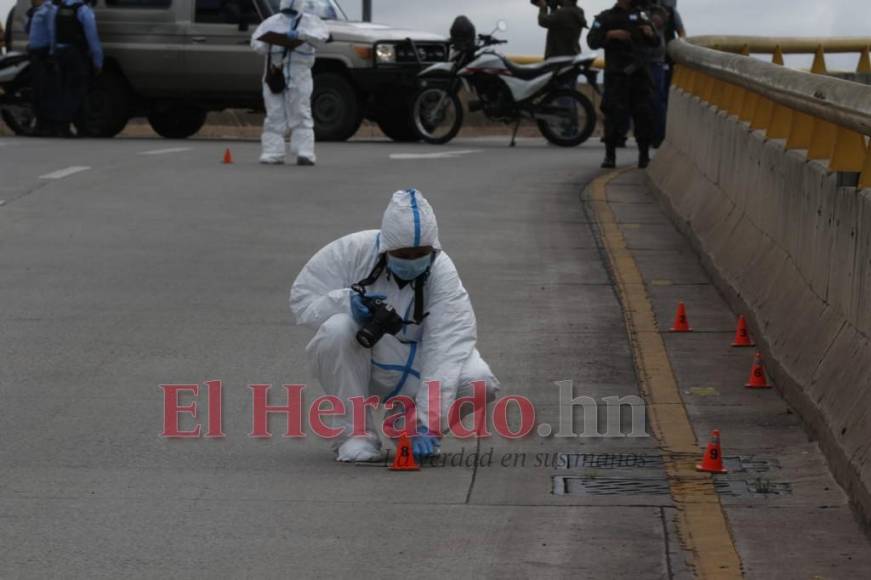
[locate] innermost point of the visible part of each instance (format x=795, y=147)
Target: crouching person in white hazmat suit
x=287, y=82
x=404, y=266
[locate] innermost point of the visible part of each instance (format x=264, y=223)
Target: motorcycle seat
x=530, y=71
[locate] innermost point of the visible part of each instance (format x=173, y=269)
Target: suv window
x=139, y=3
x=226, y=11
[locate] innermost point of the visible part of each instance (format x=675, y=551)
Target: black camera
x=384, y=320
x=551, y=4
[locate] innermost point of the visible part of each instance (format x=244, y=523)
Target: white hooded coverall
x=441, y=348
x=291, y=110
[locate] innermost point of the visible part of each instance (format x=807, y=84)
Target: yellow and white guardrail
x=828, y=117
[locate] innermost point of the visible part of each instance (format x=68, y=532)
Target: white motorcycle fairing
x=8, y=72
x=492, y=63
x=439, y=67
x=488, y=62
x=522, y=90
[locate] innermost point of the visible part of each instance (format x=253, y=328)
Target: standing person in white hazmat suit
x=287, y=82
x=404, y=266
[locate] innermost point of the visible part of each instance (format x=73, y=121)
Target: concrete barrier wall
x=793, y=250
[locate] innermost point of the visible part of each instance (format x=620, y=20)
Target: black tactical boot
x=610, y=161
x=643, y=157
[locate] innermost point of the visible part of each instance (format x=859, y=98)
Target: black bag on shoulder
x=275, y=75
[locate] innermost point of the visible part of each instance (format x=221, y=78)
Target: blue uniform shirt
x=89, y=25
x=40, y=27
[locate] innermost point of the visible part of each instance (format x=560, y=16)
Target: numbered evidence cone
x=404, y=460
x=681, y=324
x=757, y=378
x=742, y=337
x=228, y=157
x=713, y=459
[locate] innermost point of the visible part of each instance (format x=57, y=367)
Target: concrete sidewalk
x=788, y=517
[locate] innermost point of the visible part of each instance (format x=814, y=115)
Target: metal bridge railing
x=828, y=117
x=780, y=46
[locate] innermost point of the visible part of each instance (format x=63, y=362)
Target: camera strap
x=376, y=272
x=269, y=58
x=419, y=314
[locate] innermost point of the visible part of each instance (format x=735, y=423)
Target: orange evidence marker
x=404, y=460
x=713, y=459
x=742, y=337
x=681, y=323
x=757, y=378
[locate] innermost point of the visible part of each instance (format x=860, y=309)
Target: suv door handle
x=198, y=39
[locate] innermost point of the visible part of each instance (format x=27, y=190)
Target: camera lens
x=366, y=338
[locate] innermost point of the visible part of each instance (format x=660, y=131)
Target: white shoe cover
x=360, y=449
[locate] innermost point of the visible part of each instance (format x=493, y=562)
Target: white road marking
x=61, y=173
x=503, y=138
x=166, y=151
x=442, y=155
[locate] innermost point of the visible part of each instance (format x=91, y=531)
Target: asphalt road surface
x=129, y=264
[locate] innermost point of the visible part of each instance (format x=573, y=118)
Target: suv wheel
x=335, y=107
x=106, y=109
x=395, y=120
x=176, y=120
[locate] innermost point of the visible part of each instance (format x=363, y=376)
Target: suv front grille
x=427, y=51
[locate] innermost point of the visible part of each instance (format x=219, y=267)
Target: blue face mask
x=409, y=269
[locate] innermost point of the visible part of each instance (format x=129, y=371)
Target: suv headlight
x=385, y=53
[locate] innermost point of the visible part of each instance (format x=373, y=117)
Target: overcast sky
x=753, y=17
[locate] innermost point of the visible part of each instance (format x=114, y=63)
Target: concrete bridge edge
x=791, y=250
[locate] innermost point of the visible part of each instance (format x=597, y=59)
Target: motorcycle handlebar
x=488, y=40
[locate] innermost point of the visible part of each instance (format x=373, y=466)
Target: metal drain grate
x=567, y=485
x=570, y=461
x=767, y=487
x=629, y=486
x=752, y=464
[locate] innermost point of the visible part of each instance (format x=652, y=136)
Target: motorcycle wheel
x=437, y=115
x=572, y=118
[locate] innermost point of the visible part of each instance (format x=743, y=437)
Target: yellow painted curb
x=702, y=523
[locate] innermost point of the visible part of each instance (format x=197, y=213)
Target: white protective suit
x=291, y=110
x=442, y=348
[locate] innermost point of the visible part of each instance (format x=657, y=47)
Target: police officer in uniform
x=77, y=49
x=623, y=31
x=564, y=23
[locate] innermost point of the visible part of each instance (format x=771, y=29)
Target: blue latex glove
x=293, y=34
x=359, y=311
x=425, y=444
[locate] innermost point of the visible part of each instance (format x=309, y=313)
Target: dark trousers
x=659, y=102
x=45, y=88
x=628, y=96
x=623, y=124
x=74, y=75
